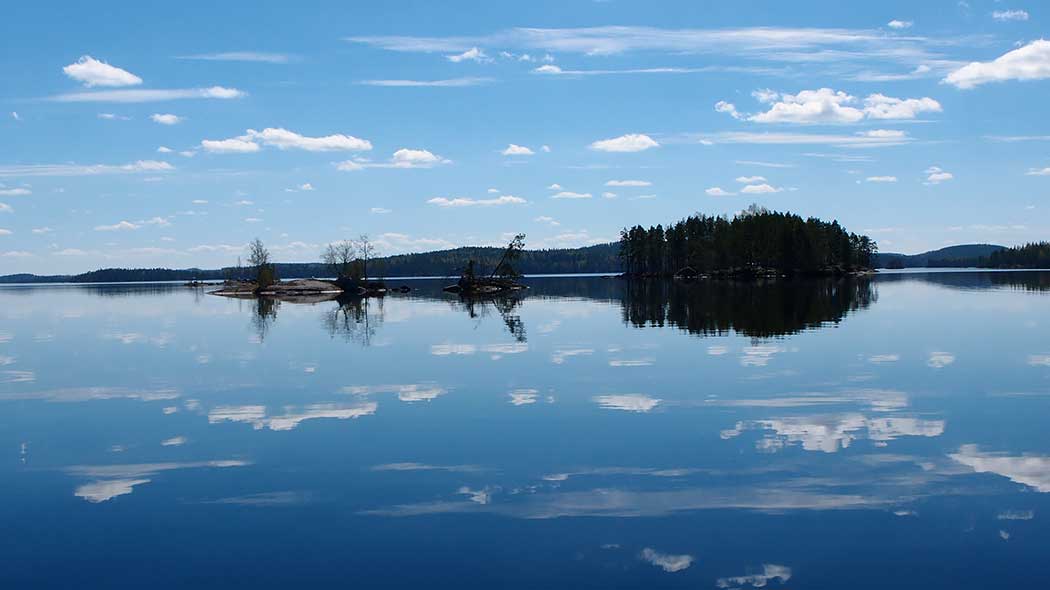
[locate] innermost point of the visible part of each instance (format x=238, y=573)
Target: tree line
x=1033, y=255
x=754, y=240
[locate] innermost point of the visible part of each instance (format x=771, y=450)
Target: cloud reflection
x=111, y=481
x=631, y=402
x=666, y=561
x=1030, y=470
x=770, y=572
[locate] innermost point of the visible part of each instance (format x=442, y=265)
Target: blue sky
x=155, y=134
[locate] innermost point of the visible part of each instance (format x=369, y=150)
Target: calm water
x=869, y=434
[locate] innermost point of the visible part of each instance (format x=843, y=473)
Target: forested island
x=1034, y=255
x=755, y=242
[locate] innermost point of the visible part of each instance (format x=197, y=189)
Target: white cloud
x=14, y=192
x=119, y=226
x=15, y=116
x=632, y=142
x=899, y=24
x=827, y=106
x=728, y=108
x=1031, y=62
x=517, y=150
x=523, y=397
x=760, y=189
x=132, y=96
x=1030, y=470
x=468, y=202
x=42, y=230
x=881, y=179
x=402, y=158
x=5, y=208
x=808, y=44
x=229, y=146
x=166, y=118
x=770, y=572
x=1010, y=15
x=472, y=54
x=548, y=220
x=628, y=183
x=164, y=150
x=175, y=441
x=113, y=117
x=246, y=56
x=554, y=187
x=306, y=186
x=379, y=210
x=284, y=139
x=608, y=195
x=5, y=232
x=716, y=191
x=879, y=106
x=92, y=72
x=139, y=166
x=446, y=83
x=632, y=402
x=936, y=175
x=571, y=195
x=750, y=179
x=939, y=360
x=864, y=139
x=667, y=562
x=545, y=148
x=1031, y=172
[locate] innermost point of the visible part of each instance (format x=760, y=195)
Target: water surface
x=588, y=434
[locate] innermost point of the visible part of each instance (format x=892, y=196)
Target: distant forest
x=601, y=258
x=755, y=240
x=1035, y=255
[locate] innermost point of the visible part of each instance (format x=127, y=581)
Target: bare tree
x=365, y=251
x=259, y=260
x=340, y=258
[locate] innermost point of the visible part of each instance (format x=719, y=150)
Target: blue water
x=889, y=433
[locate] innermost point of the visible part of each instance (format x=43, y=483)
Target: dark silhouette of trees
x=753, y=241
x=259, y=260
x=1033, y=255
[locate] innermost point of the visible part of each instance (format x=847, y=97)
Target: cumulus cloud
x=881, y=179
x=1031, y=62
x=92, y=72
x=119, y=226
x=468, y=202
x=571, y=195
x=935, y=175
x=666, y=561
x=750, y=179
x=628, y=183
x=632, y=142
x=142, y=95
x=899, y=24
x=284, y=139
x=14, y=192
x=517, y=150
x=717, y=191
x=229, y=146
x=828, y=106
x=473, y=54
x=402, y=158
x=760, y=189
x=166, y=118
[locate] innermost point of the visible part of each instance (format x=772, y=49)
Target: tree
x=504, y=268
x=340, y=259
x=365, y=251
x=259, y=260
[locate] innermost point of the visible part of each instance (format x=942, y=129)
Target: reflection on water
x=861, y=433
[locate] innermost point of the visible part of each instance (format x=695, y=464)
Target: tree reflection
x=265, y=315
x=760, y=309
x=355, y=319
x=504, y=305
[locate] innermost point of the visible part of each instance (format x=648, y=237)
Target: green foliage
x=755, y=239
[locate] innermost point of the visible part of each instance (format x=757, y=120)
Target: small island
x=754, y=243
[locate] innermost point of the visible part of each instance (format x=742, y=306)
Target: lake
x=590, y=433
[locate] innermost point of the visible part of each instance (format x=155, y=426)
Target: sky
x=171, y=134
